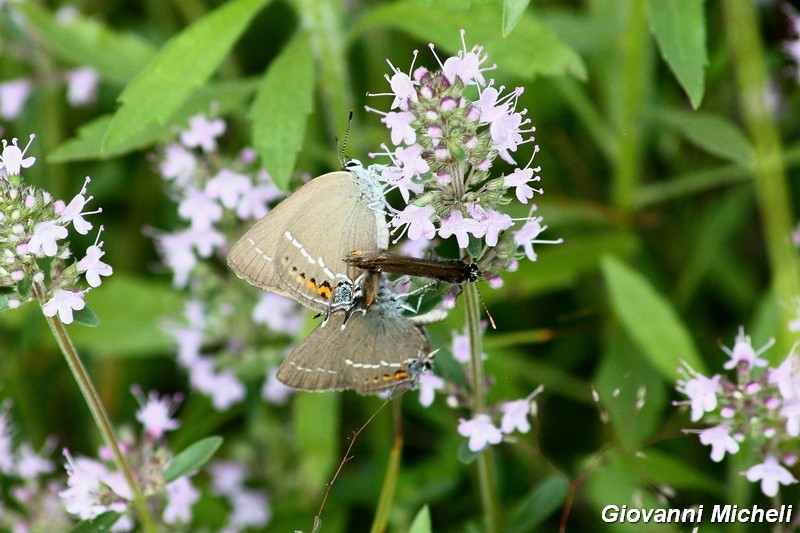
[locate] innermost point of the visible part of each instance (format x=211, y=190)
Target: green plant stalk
x=628, y=165
x=739, y=489
x=51, y=120
x=324, y=22
x=772, y=191
x=96, y=407
x=487, y=476
x=389, y=486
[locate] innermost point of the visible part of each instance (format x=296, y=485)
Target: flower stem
x=487, y=477
x=769, y=173
x=51, y=129
x=392, y=473
x=324, y=22
x=628, y=163
x=96, y=407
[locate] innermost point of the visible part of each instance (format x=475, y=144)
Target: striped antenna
x=344, y=142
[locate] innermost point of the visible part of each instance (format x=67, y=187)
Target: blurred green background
x=670, y=187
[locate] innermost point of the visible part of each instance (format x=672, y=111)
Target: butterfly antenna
x=477, y=262
x=346, y=135
x=488, y=314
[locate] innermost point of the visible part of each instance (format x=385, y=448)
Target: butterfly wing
x=297, y=249
x=449, y=270
x=376, y=351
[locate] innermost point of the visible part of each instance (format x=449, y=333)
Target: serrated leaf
x=537, y=506
x=226, y=96
x=180, y=67
x=192, y=458
x=512, y=13
x=86, y=317
x=422, y=522
x=532, y=50
x=101, y=524
x=86, y=144
x=650, y=320
x=679, y=27
x=116, y=56
x=281, y=109
x=712, y=133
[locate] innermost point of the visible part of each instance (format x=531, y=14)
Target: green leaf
x=116, y=56
x=86, y=145
x=281, y=109
x=620, y=379
x=86, y=316
x=227, y=96
x=650, y=320
x=561, y=266
x=713, y=133
x=465, y=455
x=474, y=246
x=532, y=50
x=182, y=66
x=715, y=231
x=689, y=184
x=614, y=481
x=512, y=13
x=663, y=469
x=132, y=311
x=679, y=27
x=429, y=300
x=766, y=323
x=192, y=458
x=537, y=506
x=422, y=522
x=3, y=302
x=24, y=286
x=101, y=524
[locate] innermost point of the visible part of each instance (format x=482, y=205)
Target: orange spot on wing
x=399, y=375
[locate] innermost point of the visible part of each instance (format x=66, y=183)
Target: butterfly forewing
x=298, y=249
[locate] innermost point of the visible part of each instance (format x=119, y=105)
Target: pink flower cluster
x=206, y=194
x=94, y=487
x=32, y=497
x=481, y=430
x=34, y=227
x=760, y=405
x=215, y=197
x=447, y=127
x=249, y=508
